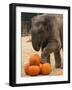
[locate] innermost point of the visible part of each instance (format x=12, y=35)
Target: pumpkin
x=26, y=68
x=34, y=59
x=46, y=69
x=59, y=73
x=34, y=70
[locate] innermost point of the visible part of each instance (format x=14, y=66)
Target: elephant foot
x=43, y=61
x=58, y=66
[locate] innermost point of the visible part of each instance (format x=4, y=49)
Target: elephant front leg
x=57, y=59
x=51, y=47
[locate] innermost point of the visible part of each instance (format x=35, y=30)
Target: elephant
x=47, y=35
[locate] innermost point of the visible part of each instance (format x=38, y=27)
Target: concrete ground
x=27, y=50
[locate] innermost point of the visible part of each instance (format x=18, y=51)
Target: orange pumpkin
x=46, y=69
x=34, y=70
x=26, y=68
x=34, y=59
x=59, y=73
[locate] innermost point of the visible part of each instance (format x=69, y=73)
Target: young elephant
x=47, y=34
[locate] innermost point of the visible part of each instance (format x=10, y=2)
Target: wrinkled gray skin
x=47, y=35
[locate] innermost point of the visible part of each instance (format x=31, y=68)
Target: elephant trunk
x=35, y=41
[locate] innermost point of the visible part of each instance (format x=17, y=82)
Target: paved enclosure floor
x=27, y=50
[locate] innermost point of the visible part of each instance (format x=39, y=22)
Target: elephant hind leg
x=57, y=59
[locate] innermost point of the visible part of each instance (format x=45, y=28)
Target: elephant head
x=39, y=31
